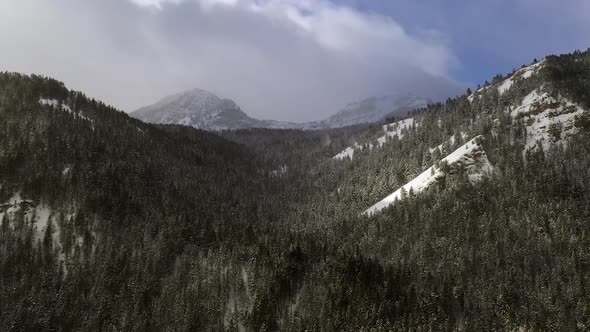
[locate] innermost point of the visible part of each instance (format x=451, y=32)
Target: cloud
x=344, y=30
x=493, y=37
x=279, y=59
x=154, y=3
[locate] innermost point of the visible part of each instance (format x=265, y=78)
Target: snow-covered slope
x=506, y=84
x=374, y=109
x=203, y=110
x=470, y=157
x=396, y=129
x=547, y=119
x=520, y=74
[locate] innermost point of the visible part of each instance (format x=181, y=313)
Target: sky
x=294, y=60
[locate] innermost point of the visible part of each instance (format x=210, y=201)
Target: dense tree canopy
x=168, y=228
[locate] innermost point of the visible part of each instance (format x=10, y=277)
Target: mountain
x=548, y=114
x=469, y=215
x=455, y=214
x=375, y=109
x=202, y=110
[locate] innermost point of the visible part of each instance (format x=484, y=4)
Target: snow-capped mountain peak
x=197, y=108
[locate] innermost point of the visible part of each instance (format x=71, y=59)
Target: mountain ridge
x=200, y=109
x=204, y=110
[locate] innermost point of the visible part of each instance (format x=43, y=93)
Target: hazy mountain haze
x=283, y=60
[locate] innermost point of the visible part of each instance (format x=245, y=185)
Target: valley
x=465, y=215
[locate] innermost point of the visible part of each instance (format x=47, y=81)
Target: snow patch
x=280, y=171
x=347, y=153
x=523, y=73
x=505, y=85
x=43, y=214
x=54, y=103
x=11, y=206
x=395, y=129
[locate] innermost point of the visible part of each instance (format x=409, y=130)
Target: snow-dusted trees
x=168, y=227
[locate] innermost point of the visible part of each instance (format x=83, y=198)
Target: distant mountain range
x=204, y=110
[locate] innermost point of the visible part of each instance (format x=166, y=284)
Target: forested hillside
x=109, y=223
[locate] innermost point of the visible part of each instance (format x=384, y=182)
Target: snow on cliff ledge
x=548, y=120
x=470, y=156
